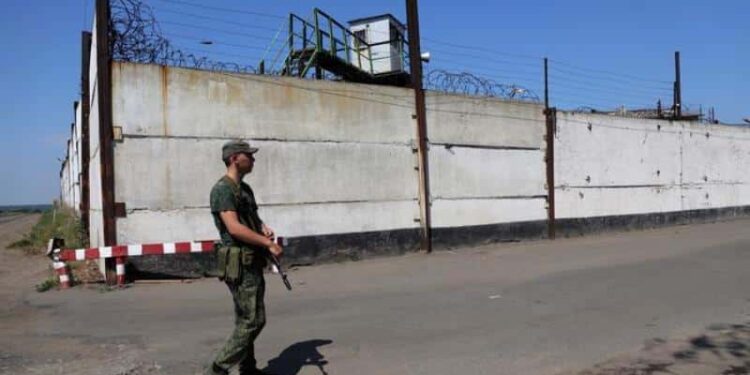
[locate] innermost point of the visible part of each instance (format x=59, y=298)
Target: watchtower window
x=362, y=34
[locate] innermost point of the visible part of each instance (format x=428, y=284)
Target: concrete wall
x=607, y=166
x=96, y=219
x=70, y=173
x=486, y=161
x=335, y=158
x=339, y=159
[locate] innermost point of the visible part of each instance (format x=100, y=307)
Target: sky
x=603, y=54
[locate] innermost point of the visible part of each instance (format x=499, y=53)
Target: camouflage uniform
x=248, y=292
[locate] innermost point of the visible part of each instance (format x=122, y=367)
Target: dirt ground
x=23, y=348
x=578, y=306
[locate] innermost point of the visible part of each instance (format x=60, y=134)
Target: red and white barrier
x=120, y=270
x=120, y=253
x=62, y=272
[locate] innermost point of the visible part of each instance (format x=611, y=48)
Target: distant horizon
x=31, y=205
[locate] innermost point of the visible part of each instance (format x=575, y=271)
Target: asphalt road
x=522, y=308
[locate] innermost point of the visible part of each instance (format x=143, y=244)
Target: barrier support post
x=120, y=270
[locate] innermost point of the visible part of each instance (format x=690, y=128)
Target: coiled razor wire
x=469, y=84
x=137, y=37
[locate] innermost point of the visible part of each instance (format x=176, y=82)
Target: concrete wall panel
x=457, y=119
x=156, y=226
x=579, y=203
x=699, y=166
x=154, y=100
x=146, y=226
x=716, y=155
x=96, y=219
x=709, y=195
x=334, y=218
x=459, y=172
x=160, y=173
x=465, y=212
x=593, y=150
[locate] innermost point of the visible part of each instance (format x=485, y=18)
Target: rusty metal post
x=677, y=87
x=85, y=145
x=549, y=158
x=421, y=117
x=106, y=144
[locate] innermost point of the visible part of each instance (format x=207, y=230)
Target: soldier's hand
x=268, y=232
x=275, y=249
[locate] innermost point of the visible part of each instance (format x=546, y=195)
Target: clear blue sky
x=40, y=64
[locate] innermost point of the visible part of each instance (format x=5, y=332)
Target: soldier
x=244, y=239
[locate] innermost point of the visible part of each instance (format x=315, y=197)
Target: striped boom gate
x=60, y=256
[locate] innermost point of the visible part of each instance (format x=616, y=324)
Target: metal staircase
x=325, y=45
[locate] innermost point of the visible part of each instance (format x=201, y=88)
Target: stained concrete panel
x=460, y=172
x=96, y=221
x=161, y=173
x=599, y=150
x=716, y=155
x=447, y=213
x=580, y=203
x=146, y=226
x=715, y=195
x=460, y=119
x=154, y=100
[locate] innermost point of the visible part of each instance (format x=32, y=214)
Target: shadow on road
x=722, y=349
x=292, y=359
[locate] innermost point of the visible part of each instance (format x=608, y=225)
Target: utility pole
x=415, y=58
x=677, y=87
x=546, y=85
x=550, y=115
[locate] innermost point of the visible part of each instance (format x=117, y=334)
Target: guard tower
x=372, y=50
x=385, y=36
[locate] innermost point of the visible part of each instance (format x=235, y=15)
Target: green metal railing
x=309, y=40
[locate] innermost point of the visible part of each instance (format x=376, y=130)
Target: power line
x=210, y=52
x=607, y=72
x=632, y=87
x=439, y=60
x=582, y=101
x=227, y=10
x=198, y=16
x=482, y=49
x=483, y=58
x=228, y=32
x=205, y=40
x=574, y=84
x=487, y=73
x=615, y=80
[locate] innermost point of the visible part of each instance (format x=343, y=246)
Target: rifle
x=276, y=265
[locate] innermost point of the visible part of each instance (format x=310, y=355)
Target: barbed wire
x=470, y=84
x=137, y=37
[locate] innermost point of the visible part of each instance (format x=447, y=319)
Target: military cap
x=234, y=147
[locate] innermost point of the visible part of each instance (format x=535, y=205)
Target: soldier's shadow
x=292, y=359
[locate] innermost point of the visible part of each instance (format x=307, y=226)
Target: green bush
x=47, y=284
x=57, y=222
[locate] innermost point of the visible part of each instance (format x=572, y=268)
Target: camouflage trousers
x=249, y=320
